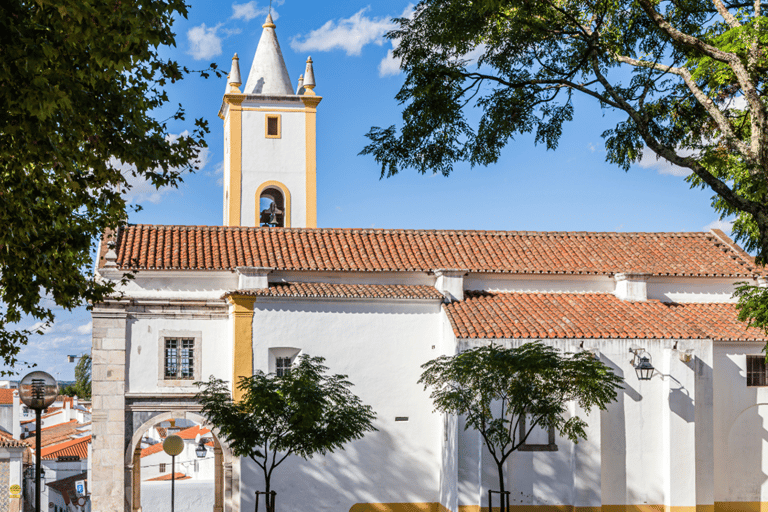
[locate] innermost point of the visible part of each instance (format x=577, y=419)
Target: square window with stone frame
x=283, y=365
x=757, y=371
x=180, y=358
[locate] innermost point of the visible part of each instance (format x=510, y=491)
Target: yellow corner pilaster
x=310, y=130
x=235, y=156
x=242, y=344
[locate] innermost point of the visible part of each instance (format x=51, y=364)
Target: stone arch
x=746, y=473
x=225, y=463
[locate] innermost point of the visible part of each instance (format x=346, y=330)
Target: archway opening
x=272, y=208
x=199, y=469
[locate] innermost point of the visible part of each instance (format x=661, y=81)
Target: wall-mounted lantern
x=641, y=364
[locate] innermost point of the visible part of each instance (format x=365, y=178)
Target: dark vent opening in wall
x=273, y=129
x=401, y=418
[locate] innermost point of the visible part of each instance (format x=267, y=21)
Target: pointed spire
x=233, y=79
x=309, y=77
x=300, y=88
x=268, y=73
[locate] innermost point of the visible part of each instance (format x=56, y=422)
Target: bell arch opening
x=193, y=467
x=273, y=205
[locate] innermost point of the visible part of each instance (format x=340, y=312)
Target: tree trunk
x=502, y=501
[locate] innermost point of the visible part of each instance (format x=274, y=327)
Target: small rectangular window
x=179, y=358
x=162, y=468
x=282, y=365
x=757, y=372
x=273, y=126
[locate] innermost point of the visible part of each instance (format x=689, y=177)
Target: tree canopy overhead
x=79, y=83
x=690, y=76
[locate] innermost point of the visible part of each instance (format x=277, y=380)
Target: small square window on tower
x=273, y=126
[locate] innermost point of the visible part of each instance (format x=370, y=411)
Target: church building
x=268, y=285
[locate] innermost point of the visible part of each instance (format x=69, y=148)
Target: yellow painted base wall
x=753, y=506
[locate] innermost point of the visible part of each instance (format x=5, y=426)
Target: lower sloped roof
x=497, y=315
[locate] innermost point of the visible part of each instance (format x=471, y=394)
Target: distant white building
x=377, y=304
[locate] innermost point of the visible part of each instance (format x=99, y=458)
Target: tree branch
x=729, y=18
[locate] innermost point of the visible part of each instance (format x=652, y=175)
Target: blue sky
x=570, y=189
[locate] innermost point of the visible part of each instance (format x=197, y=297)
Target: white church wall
x=544, y=283
x=740, y=424
x=181, y=285
x=145, y=350
x=692, y=289
x=380, y=346
x=647, y=448
x=452, y=450
x=266, y=159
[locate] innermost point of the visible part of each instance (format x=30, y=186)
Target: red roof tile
x=344, y=291
x=74, y=447
x=66, y=486
x=591, y=315
x=217, y=248
x=187, y=433
x=161, y=478
x=6, y=396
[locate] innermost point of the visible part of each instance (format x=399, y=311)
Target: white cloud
x=84, y=329
x=348, y=34
x=725, y=225
x=389, y=65
x=140, y=190
x=203, y=42
x=251, y=10
x=661, y=165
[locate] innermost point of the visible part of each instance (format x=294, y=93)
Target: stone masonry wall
x=108, y=387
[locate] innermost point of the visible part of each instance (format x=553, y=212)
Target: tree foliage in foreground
x=496, y=389
x=303, y=412
x=690, y=76
x=79, y=81
x=81, y=388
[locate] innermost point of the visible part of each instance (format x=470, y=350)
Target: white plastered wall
x=380, y=345
x=268, y=159
x=740, y=426
x=650, y=447
x=143, y=346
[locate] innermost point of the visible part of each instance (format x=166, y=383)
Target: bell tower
x=270, y=142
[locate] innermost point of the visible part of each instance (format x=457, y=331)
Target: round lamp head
x=173, y=445
x=38, y=390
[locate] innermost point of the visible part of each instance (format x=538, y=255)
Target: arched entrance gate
x=224, y=481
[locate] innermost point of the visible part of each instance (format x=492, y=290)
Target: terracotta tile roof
x=590, y=315
x=179, y=476
x=7, y=441
x=6, y=396
x=217, y=247
x=150, y=450
x=66, y=486
x=187, y=433
x=74, y=447
x=56, y=433
x=344, y=291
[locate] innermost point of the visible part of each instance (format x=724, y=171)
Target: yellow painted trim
x=603, y=508
x=310, y=136
x=741, y=506
x=242, y=316
x=270, y=109
x=286, y=197
x=279, y=126
x=235, y=119
x=398, y=507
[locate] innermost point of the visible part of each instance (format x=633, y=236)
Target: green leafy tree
x=79, y=82
x=303, y=412
x=83, y=377
x=497, y=389
x=690, y=77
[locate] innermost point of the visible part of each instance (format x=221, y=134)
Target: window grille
x=179, y=358
x=282, y=365
x=162, y=467
x=757, y=372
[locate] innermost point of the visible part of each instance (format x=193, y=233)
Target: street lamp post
x=173, y=445
x=38, y=390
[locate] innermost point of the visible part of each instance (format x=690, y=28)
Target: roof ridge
x=422, y=231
